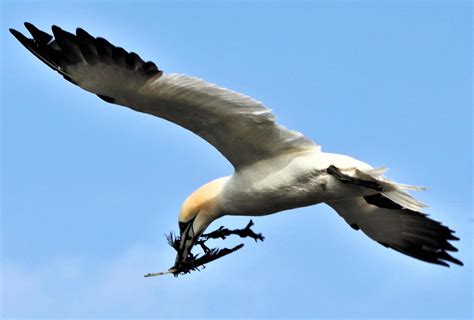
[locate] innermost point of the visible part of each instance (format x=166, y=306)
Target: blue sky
x=89, y=189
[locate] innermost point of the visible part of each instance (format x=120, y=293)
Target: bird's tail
x=373, y=178
x=393, y=190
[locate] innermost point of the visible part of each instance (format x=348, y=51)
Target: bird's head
x=196, y=214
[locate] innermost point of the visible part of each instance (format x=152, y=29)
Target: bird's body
x=275, y=168
x=288, y=181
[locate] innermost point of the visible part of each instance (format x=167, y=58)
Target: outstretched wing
x=241, y=128
x=407, y=231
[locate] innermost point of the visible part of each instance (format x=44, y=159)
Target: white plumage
x=241, y=128
x=275, y=168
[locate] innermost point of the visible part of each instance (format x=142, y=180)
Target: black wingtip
x=443, y=264
x=15, y=33
x=61, y=49
x=56, y=30
x=451, y=259
x=40, y=36
x=22, y=39
x=82, y=33
x=30, y=27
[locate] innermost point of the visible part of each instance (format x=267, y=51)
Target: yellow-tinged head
x=197, y=213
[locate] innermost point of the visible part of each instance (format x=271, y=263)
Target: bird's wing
x=241, y=128
x=407, y=231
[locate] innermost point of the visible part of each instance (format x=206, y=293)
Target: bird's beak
x=188, y=237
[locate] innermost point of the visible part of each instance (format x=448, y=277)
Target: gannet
x=275, y=169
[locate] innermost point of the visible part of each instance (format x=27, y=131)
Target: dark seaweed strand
x=222, y=233
x=197, y=263
x=194, y=262
x=173, y=240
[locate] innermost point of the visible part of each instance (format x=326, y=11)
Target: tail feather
x=392, y=190
x=405, y=200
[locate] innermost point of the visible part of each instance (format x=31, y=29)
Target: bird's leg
x=222, y=233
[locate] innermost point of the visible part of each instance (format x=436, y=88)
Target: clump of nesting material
x=197, y=262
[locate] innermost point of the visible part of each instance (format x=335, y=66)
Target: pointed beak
x=188, y=238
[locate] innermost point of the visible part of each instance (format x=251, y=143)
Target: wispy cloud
x=115, y=287
x=66, y=286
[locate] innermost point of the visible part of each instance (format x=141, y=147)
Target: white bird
x=275, y=169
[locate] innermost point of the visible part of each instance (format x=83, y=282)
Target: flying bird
x=275, y=168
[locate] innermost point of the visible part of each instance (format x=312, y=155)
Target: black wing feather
x=67, y=49
x=407, y=231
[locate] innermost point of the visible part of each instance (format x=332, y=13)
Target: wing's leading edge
x=241, y=128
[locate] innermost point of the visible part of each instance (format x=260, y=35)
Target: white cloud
x=21, y=291
x=115, y=287
x=71, y=287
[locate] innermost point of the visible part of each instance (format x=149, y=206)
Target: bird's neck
x=205, y=200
